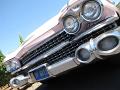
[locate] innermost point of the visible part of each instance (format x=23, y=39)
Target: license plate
x=40, y=73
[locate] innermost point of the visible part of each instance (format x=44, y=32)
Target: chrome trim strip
x=55, y=49
x=95, y=28
x=62, y=66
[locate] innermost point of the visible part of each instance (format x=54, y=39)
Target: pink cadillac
x=83, y=31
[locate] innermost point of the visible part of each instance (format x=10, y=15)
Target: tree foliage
x=20, y=39
x=4, y=76
x=1, y=57
x=118, y=5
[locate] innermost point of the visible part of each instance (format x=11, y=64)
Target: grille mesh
x=46, y=46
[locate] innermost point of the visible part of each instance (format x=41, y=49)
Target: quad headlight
x=91, y=10
x=71, y=24
x=12, y=65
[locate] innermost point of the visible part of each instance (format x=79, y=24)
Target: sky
x=23, y=17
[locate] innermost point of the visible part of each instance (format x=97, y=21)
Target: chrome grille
x=62, y=37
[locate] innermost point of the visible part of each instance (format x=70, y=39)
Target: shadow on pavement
x=103, y=75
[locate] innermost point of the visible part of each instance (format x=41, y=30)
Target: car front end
x=85, y=31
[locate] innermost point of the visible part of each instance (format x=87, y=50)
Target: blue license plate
x=40, y=73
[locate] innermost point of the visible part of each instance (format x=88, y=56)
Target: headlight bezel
x=12, y=65
x=77, y=22
x=99, y=3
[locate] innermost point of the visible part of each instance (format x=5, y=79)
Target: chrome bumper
x=57, y=68
x=53, y=71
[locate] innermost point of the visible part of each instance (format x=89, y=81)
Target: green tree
x=1, y=57
x=118, y=5
x=2, y=67
x=4, y=76
x=20, y=39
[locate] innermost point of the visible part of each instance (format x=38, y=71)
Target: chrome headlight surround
x=12, y=65
x=71, y=24
x=112, y=51
x=76, y=7
x=85, y=53
x=92, y=10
